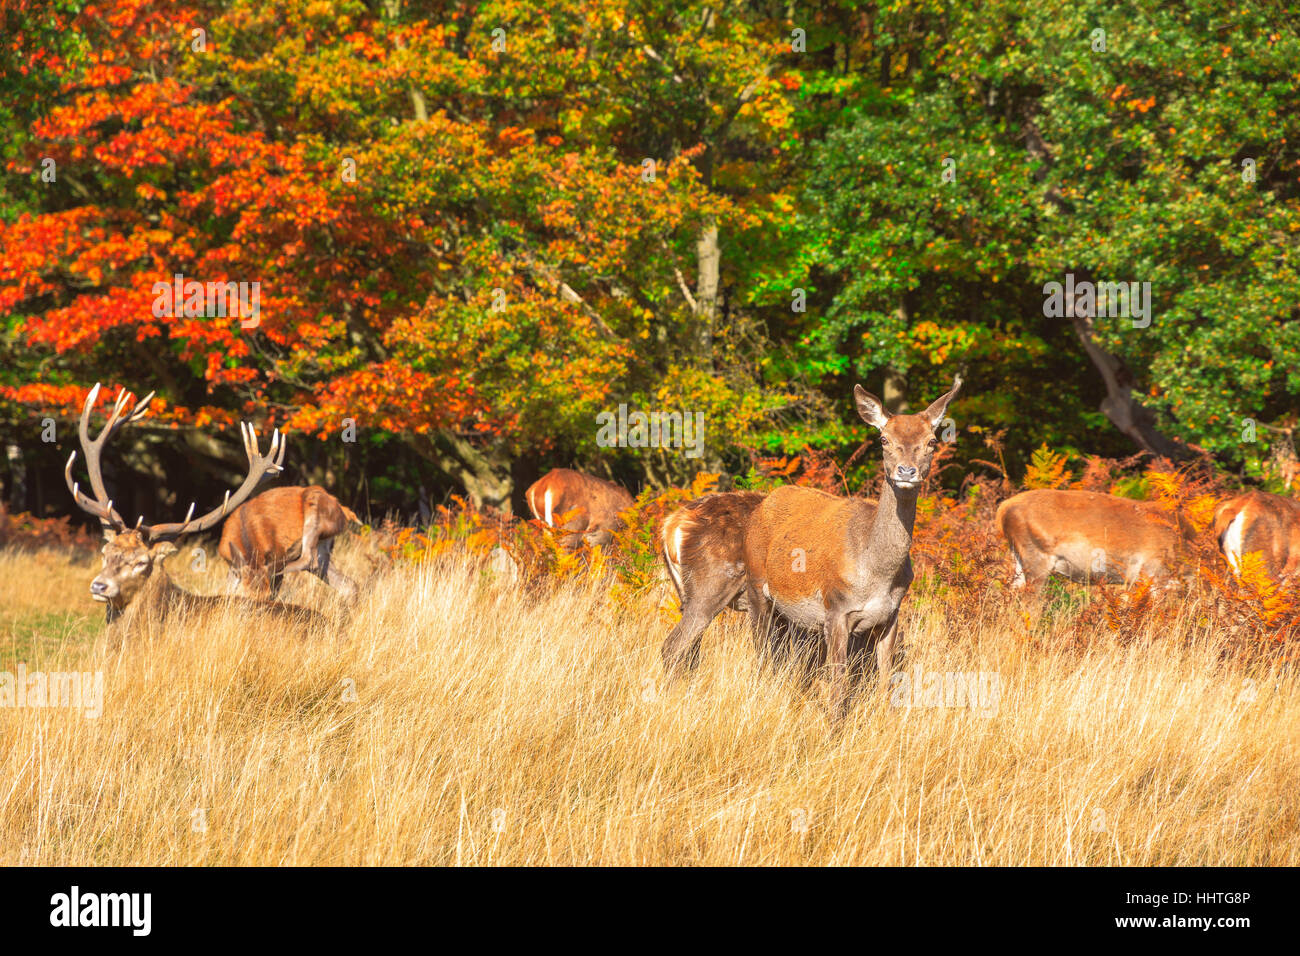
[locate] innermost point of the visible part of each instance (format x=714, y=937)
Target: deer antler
x=102, y=506
x=259, y=467
x=124, y=411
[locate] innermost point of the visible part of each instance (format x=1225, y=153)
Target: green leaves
x=1126, y=165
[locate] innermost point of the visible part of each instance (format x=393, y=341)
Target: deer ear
x=161, y=550
x=109, y=534
x=939, y=407
x=870, y=408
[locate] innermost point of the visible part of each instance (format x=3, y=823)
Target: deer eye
x=934, y=443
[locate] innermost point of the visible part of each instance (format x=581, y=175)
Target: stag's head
x=907, y=442
x=129, y=562
x=133, y=556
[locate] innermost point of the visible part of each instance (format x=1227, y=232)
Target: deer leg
x=1019, y=580
x=327, y=572
x=700, y=605
x=1032, y=570
x=859, y=657
x=837, y=662
x=885, y=653
x=780, y=643
x=307, y=559
x=765, y=628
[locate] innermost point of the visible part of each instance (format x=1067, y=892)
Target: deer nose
x=98, y=587
x=906, y=473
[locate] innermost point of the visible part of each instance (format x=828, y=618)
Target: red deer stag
x=597, y=502
x=132, y=575
x=1259, y=521
x=834, y=567
x=282, y=531
x=1090, y=537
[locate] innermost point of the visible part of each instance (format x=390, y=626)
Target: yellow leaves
x=566, y=564
x=1168, y=486
x=1200, y=510
x=1127, y=613
x=783, y=467
x=436, y=548
x=481, y=541
x=1274, y=605
x=705, y=483
x=1047, y=469
x=596, y=564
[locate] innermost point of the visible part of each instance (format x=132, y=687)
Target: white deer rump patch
x=1232, y=541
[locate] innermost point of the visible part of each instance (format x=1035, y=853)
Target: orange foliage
x=23, y=530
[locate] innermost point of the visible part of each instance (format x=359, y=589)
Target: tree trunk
x=17, y=477
x=485, y=477
x=419, y=106
x=894, y=391
x=709, y=256
x=1120, y=405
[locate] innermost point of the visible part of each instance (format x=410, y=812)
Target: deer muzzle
x=905, y=476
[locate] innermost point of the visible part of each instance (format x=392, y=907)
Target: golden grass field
x=491, y=725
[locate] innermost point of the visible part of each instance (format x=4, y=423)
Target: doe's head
x=907, y=442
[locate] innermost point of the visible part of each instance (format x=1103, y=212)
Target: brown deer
x=1259, y=521
x=282, y=531
x=133, y=576
x=598, y=502
x=836, y=569
x=1090, y=537
x=703, y=546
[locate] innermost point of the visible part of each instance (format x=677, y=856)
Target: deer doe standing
x=132, y=576
x=815, y=564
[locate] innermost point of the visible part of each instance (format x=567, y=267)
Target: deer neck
x=156, y=595
x=883, y=541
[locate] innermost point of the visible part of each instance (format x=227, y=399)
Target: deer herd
x=821, y=577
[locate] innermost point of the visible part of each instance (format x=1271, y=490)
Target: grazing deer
x=1090, y=537
x=838, y=568
x=133, y=575
x=281, y=531
x=597, y=502
x=1259, y=521
x=704, y=550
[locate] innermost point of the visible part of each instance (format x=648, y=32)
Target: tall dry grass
x=495, y=725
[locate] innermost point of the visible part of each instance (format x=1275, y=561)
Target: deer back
x=563, y=489
x=270, y=526
x=1076, y=524
x=1262, y=522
